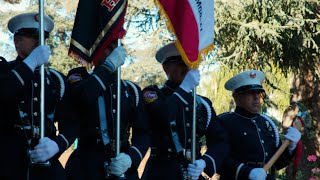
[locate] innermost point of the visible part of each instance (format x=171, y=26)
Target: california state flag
x=192, y=22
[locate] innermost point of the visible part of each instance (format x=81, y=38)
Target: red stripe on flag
x=185, y=27
x=113, y=36
x=188, y=34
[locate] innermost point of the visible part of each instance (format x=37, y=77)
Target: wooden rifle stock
x=298, y=125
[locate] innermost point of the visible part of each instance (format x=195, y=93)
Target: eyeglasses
x=254, y=93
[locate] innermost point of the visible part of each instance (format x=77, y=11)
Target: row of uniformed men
x=85, y=107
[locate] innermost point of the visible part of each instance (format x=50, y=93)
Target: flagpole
x=193, y=137
x=118, y=112
x=118, y=107
x=42, y=90
x=42, y=78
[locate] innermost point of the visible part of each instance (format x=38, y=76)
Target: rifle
x=302, y=121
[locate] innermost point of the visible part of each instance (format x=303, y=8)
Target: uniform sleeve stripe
x=238, y=170
x=65, y=139
x=99, y=80
x=136, y=149
x=213, y=162
x=181, y=98
x=18, y=76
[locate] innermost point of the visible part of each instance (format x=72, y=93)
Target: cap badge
x=253, y=75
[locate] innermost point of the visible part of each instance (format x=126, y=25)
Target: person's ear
x=165, y=68
x=15, y=40
x=235, y=96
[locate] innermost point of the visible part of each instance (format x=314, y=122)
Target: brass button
x=114, y=96
x=187, y=109
x=35, y=99
x=189, y=140
x=35, y=84
x=188, y=124
x=113, y=110
x=262, y=141
x=35, y=114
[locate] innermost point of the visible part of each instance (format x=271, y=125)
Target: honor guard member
x=253, y=137
x=171, y=113
x=20, y=104
x=91, y=107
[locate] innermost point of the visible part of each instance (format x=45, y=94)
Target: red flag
x=192, y=22
x=97, y=24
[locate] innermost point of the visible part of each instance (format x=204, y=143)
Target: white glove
x=40, y=55
x=191, y=80
x=120, y=164
x=116, y=58
x=45, y=150
x=195, y=169
x=258, y=174
x=294, y=136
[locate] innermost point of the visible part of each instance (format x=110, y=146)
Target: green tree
x=275, y=36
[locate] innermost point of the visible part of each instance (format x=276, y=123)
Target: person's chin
x=256, y=109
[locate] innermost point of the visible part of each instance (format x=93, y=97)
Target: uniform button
x=245, y=133
x=254, y=121
x=266, y=153
x=35, y=114
x=272, y=135
x=259, y=129
x=114, y=96
x=188, y=124
x=35, y=99
x=35, y=84
x=187, y=109
x=22, y=102
x=189, y=140
x=262, y=141
x=113, y=110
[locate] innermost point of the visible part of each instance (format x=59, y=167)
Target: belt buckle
x=260, y=164
x=112, y=145
x=255, y=164
x=36, y=131
x=188, y=154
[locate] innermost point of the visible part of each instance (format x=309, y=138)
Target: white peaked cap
x=29, y=21
x=246, y=81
